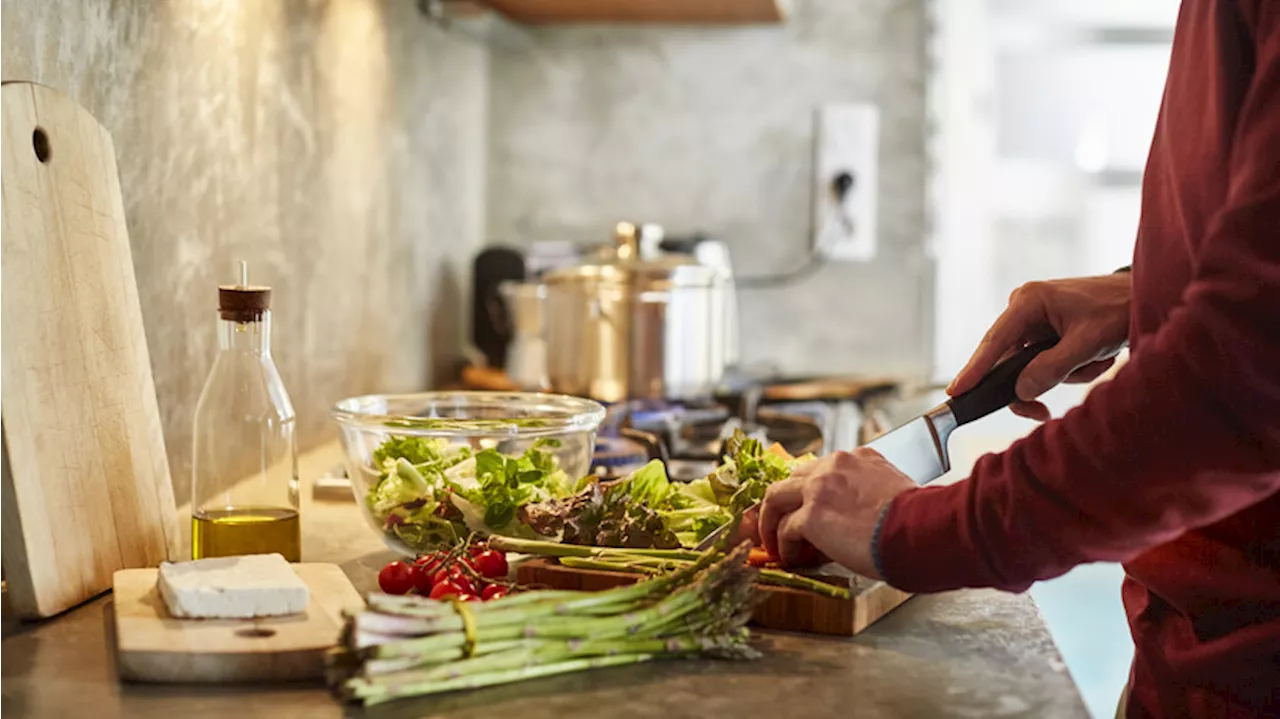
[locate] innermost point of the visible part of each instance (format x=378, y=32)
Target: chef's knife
x=919, y=447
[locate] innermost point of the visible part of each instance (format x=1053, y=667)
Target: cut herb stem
x=650, y=561
x=556, y=549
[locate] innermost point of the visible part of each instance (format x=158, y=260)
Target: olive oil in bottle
x=244, y=483
x=250, y=530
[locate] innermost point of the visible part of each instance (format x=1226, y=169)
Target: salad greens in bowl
x=428, y=469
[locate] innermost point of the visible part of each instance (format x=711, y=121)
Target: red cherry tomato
x=454, y=574
x=429, y=562
x=477, y=548
x=490, y=564
x=445, y=589
x=446, y=574
x=396, y=578
x=494, y=591
x=465, y=584
x=468, y=597
x=422, y=579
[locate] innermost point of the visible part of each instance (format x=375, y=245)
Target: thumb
x=1053, y=365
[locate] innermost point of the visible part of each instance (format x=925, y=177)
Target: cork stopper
x=243, y=302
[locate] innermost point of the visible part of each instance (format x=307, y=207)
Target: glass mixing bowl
x=510, y=422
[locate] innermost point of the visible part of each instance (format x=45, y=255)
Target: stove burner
x=798, y=435
x=619, y=452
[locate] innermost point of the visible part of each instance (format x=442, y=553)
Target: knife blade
x=918, y=448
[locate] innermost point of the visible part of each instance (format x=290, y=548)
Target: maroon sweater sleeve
x=1186, y=433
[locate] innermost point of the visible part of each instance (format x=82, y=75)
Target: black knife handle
x=998, y=389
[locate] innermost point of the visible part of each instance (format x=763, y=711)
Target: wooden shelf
x=667, y=12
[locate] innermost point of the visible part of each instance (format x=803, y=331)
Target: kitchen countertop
x=974, y=653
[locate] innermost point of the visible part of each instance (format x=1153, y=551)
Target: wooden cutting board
x=831, y=389
x=783, y=608
x=153, y=646
x=85, y=478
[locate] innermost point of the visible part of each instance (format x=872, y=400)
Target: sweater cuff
x=926, y=542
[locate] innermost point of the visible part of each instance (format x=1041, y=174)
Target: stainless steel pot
x=635, y=328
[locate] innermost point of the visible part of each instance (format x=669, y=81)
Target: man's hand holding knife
x=836, y=503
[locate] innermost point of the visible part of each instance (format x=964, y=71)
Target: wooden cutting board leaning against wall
x=86, y=484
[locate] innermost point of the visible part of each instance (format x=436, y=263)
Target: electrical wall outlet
x=846, y=174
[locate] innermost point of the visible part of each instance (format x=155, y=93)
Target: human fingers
x=781, y=499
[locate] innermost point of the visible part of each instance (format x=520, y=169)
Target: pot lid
x=628, y=264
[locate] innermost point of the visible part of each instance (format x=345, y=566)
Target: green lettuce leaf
x=416, y=450
x=393, y=491
x=428, y=534
x=695, y=493
x=649, y=485
x=747, y=472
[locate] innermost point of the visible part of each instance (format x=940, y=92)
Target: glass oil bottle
x=244, y=488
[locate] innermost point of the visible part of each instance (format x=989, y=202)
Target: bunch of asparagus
x=404, y=646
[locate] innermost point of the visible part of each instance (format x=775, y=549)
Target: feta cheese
x=255, y=585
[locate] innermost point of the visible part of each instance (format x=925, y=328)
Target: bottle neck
x=252, y=337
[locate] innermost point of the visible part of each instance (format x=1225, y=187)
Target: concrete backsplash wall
x=358, y=157
x=711, y=129
x=338, y=146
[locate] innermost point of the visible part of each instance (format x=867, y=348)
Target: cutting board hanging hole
x=40, y=141
x=256, y=632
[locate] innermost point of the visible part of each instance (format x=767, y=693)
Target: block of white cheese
x=255, y=585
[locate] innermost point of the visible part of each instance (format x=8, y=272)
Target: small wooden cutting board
x=153, y=646
x=783, y=608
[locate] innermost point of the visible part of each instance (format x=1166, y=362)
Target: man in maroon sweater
x=1173, y=466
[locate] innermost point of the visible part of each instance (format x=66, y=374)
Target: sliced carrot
x=758, y=557
x=777, y=449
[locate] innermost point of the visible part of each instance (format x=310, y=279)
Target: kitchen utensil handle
x=997, y=390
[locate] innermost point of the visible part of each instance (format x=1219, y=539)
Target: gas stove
x=689, y=438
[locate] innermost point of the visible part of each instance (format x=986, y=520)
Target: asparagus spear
x=767, y=576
